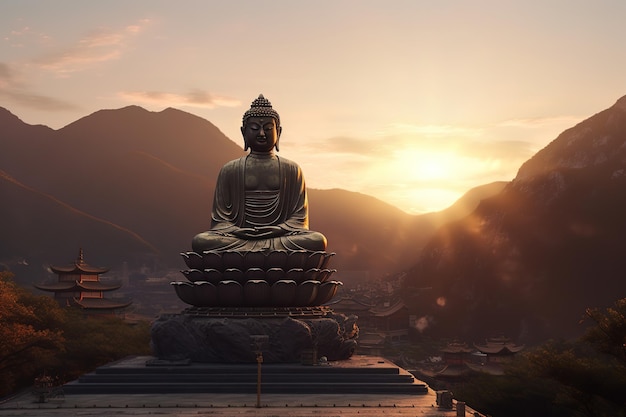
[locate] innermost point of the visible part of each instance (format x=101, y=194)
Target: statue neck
x=262, y=155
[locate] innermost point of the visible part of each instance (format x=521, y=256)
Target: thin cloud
x=5, y=72
x=12, y=90
x=37, y=101
x=540, y=122
x=194, y=98
x=96, y=48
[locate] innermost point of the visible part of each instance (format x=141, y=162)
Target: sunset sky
x=413, y=102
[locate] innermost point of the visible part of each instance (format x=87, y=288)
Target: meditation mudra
x=260, y=201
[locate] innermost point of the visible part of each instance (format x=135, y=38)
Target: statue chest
x=262, y=175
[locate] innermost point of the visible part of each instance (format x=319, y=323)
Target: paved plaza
x=73, y=402
x=272, y=405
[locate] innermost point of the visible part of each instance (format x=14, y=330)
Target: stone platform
x=225, y=335
x=357, y=375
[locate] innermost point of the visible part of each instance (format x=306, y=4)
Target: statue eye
x=268, y=127
x=254, y=126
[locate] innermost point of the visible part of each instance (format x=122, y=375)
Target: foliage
x=510, y=396
x=584, y=377
x=38, y=337
x=30, y=334
x=99, y=340
x=609, y=334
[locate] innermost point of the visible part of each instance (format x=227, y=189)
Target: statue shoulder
x=288, y=162
x=233, y=165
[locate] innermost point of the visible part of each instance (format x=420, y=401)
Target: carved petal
x=284, y=293
x=185, y=291
x=326, y=292
x=229, y=293
x=212, y=260
x=206, y=294
x=193, y=260
x=212, y=275
x=306, y=293
x=256, y=293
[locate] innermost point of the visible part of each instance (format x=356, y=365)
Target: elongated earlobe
x=280, y=130
x=245, y=142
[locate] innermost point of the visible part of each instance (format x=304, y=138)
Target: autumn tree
x=37, y=337
x=31, y=334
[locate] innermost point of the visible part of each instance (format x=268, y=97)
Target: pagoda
x=79, y=285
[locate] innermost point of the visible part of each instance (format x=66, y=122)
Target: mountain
x=530, y=259
x=32, y=232
x=135, y=186
x=142, y=171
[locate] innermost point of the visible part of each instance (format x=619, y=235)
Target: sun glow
x=423, y=166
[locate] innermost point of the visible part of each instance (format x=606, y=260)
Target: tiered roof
x=79, y=267
x=92, y=284
x=499, y=345
x=78, y=286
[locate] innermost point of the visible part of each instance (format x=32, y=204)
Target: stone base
x=362, y=375
x=224, y=338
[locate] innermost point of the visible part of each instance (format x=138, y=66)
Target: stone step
x=242, y=378
x=243, y=388
x=212, y=369
x=358, y=375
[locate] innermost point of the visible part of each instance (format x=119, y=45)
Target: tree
x=609, y=332
x=37, y=336
x=584, y=377
x=30, y=334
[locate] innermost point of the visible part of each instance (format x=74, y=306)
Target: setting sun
x=419, y=165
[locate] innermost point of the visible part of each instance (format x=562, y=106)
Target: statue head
x=261, y=120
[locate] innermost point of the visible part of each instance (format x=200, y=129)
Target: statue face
x=261, y=133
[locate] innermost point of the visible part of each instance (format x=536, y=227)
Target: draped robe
x=233, y=209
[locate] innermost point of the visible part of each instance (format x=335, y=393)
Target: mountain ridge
x=153, y=173
x=530, y=259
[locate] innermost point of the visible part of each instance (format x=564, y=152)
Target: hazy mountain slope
x=44, y=228
x=367, y=233
x=529, y=260
x=148, y=172
x=466, y=204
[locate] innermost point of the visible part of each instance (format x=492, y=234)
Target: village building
x=498, y=349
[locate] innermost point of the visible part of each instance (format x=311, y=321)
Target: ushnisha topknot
x=261, y=107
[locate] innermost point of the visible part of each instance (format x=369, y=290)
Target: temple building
x=79, y=285
x=498, y=349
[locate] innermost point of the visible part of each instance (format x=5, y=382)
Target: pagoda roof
x=499, y=345
x=101, y=303
x=499, y=349
x=75, y=286
x=79, y=267
x=57, y=286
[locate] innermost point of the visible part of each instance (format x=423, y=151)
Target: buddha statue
x=259, y=265
x=260, y=201
x=259, y=250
